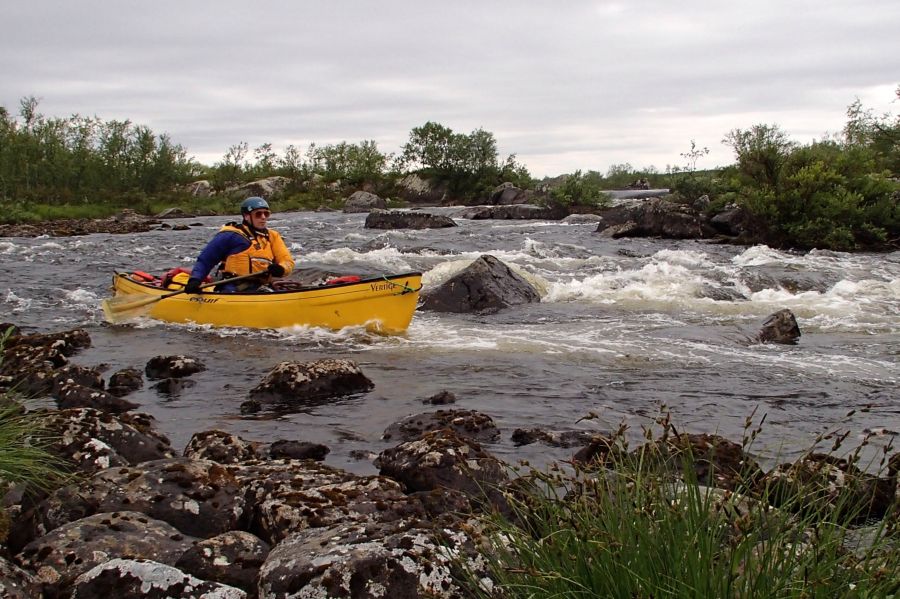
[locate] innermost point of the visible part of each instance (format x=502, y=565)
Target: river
x=624, y=328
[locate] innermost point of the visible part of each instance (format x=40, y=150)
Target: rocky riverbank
x=232, y=517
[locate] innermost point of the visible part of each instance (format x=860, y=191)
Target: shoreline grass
x=650, y=528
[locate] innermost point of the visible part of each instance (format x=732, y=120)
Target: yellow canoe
x=382, y=304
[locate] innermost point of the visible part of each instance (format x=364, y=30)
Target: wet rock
x=73, y=395
x=173, y=386
x=657, y=217
x=232, y=558
x=163, y=367
x=780, y=327
x=16, y=583
x=147, y=579
x=363, y=201
x=68, y=343
x=395, y=560
x=443, y=459
x=829, y=484
x=618, y=231
x=304, y=382
x=221, y=447
x=382, y=219
x=125, y=222
x=72, y=373
x=125, y=381
x=96, y=440
x=440, y=399
x=286, y=496
x=466, y=423
x=522, y=436
x=298, y=450
x=72, y=549
x=486, y=286
x=29, y=362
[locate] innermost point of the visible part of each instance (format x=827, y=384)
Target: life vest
x=255, y=258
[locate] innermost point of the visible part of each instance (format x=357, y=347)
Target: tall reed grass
x=646, y=527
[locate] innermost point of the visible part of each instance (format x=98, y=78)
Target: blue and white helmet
x=254, y=203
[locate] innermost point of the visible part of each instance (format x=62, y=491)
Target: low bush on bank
x=632, y=529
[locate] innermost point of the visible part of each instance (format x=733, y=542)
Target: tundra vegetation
x=26, y=461
x=648, y=522
x=841, y=192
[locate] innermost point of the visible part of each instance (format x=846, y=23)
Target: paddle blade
x=125, y=307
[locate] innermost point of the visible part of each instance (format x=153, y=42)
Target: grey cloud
x=563, y=85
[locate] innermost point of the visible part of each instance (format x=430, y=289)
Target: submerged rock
x=164, y=367
x=466, y=423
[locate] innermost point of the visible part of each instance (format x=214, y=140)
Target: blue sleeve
x=221, y=246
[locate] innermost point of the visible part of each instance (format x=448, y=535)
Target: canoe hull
x=383, y=304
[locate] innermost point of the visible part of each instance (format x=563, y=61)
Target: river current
x=625, y=329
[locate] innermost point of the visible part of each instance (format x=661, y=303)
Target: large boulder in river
x=395, y=219
x=363, y=201
x=486, y=286
x=655, y=218
x=515, y=212
x=780, y=327
x=147, y=579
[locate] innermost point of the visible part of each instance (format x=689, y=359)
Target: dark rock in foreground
x=466, y=423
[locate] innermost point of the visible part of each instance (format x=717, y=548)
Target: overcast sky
x=563, y=85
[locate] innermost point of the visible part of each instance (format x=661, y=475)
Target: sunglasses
x=264, y=213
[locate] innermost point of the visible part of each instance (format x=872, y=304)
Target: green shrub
x=634, y=530
x=579, y=190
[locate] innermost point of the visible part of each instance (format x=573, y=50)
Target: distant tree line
x=839, y=193
x=76, y=159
